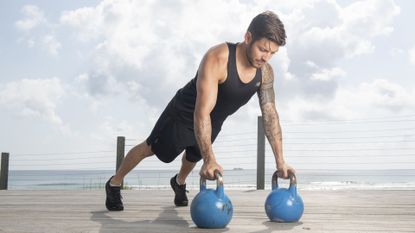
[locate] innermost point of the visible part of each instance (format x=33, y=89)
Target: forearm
x=273, y=133
x=203, y=134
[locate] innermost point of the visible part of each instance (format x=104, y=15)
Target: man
x=228, y=76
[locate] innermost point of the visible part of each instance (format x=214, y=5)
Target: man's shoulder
x=267, y=73
x=216, y=62
x=266, y=68
x=219, y=53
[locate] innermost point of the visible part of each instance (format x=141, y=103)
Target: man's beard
x=250, y=57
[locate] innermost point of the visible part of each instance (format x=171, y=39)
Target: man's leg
x=133, y=157
x=185, y=170
x=178, y=182
x=113, y=200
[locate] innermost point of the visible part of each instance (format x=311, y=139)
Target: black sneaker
x=113, y=201
x=180, y=198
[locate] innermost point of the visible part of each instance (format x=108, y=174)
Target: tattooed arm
x=211, y=70
x=270, y=118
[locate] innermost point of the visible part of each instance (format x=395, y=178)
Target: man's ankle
x=178, y=181
x=115, y=182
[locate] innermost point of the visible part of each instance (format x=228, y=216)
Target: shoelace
x=183, y=190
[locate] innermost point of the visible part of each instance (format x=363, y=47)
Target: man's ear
x=248, y=38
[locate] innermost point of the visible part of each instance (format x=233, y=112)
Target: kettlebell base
x=282, y=221
x=218, y=227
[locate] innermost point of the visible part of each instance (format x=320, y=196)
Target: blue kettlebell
x=211, y=208
x=284, y=205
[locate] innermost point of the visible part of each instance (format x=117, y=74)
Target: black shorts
x=170, y=137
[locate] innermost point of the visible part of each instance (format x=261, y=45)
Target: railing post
x=4, y=173
x=260, y=168
x=120, y=153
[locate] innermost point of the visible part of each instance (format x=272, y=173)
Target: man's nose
x=266, y=57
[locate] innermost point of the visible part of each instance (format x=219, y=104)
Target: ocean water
x=233, y=179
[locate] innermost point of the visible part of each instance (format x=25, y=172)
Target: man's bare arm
x=270, y=116
x=209, y=73
x=207, y=90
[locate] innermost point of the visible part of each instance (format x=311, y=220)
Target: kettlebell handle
x=219, y=184
x=291, y=175
x=219, y=180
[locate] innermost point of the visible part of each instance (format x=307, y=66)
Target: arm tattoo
x=266, y=93
x=272, y=126
x=267, y=102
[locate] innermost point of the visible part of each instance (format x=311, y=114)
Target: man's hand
x=208, y=169
x=284, y=169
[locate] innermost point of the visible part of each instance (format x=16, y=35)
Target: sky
x=74, y=75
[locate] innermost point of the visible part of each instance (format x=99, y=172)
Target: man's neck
x=242, y=56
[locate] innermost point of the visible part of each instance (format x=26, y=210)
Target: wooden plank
x=153, y=211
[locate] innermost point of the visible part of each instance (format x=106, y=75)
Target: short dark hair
x=268, y=25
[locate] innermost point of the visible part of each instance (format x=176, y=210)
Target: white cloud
x=144, y=51
x=111, y=128
x=371, y=17
x=378, y=97
x=328, y=74
x=38, y=31
x=346, y=34
x=395, y=52
x=151, y=57
x=134, y=46
x=321, y=34
x=133, y=31
x=380, y=93
x=100, y=83
x=300, y=109
x=412, y=55
x=87, y=20
x=34, y=97
x=33, y=18
x=51, y=44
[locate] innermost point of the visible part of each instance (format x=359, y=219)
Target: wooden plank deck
x=153, y=211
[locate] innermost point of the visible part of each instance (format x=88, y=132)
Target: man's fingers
x=211, y=175
x=208, y=171
x=283, y=173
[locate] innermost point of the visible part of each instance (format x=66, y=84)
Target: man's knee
x=186, y=160
x=191, y=157
x=147, y=150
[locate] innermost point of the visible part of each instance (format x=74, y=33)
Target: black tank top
x=232, y=94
